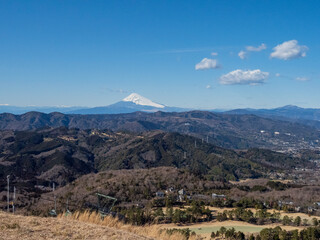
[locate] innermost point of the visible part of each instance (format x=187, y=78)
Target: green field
x=245, y=229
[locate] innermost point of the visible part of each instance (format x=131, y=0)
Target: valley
x=182, y=172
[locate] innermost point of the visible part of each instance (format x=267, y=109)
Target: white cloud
x=208, y=86
x=4, y=104
x=278, y=74
x=289, y=50
x=302, y=79
x=214, y=54
x=207, y=63
x=242, y=54
x=249, y=77
x=256, y=49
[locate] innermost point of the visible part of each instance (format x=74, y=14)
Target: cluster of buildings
x=309, y=209
x=182, y=195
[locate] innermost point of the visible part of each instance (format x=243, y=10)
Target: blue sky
x=94, y=53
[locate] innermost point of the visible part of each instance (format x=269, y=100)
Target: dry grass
x=149, y=231
x=231, y=223
x=84, y=225
x=30, y=228
x=204, y=229
x=259, y=181
x=282, y=213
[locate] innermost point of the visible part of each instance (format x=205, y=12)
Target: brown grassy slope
x=85, y=225
x=22, y=227
x=151, y=231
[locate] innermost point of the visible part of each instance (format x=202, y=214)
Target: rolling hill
x=225, y=130
x=307, y=116
x=62, y=155
x=36, y=159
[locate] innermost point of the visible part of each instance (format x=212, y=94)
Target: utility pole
x=195, y=143
x=8, y=194
x=53, y=212
x=14, y=199
x=185, y=155
x=67, y=204
x=55, y=202
x=67, y=210
x=207, y=139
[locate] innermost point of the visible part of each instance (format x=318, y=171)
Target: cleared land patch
x=205, y=229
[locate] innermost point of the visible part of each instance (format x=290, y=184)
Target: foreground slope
x=28, y=228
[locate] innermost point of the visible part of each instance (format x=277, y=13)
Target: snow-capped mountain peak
x=139, y=100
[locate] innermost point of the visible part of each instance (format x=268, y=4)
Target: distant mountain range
x=21, y=110
x=135, y=102
x=239, y=128
x=288, y=111
x=132, y=103
x=308, y=116
x=225, y=130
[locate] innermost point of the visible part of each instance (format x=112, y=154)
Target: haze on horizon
x=204, y=55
